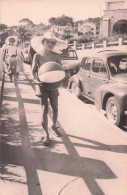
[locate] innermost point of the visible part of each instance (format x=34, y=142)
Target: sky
x=11, y=11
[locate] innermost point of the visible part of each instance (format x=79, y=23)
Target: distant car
x=70, y=63
x=102, y=78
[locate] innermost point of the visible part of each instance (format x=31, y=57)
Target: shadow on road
x=100, y=146
x=17, y=151
x=87, y=101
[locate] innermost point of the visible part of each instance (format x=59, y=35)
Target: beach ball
x=51, y=75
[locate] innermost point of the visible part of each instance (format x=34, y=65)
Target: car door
x=85, y=75
x=98, y=77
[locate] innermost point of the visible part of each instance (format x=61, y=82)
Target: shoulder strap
x=16, y=52
x=6, y=51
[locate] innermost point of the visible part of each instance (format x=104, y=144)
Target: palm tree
x=23, y=34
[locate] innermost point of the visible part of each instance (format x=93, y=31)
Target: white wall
x=85, y=52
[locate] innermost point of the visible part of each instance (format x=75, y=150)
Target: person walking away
x=19, y=59
x=5, y=66
x=47, y=55
x=10, y=58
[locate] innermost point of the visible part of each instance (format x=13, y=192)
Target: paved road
x=89, y=159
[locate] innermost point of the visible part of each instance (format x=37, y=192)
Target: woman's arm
x=34, y=70
x=34, y=67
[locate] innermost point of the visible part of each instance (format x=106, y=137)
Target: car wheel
x=113, y=111
x=75, y=90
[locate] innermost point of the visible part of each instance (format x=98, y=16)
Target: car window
x=118, y=64
x=72, y=54
x=69, y=55
x=99, y=67
x=103, y=69
x=87, y=64
x=123, y=64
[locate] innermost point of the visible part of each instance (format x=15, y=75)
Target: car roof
x=106, y=53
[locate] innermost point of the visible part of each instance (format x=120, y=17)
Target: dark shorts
x=51, y=94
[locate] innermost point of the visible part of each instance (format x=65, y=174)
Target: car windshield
x=69, y=55
x=118, y=64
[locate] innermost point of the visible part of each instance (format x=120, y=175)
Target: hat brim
x=36, y=44
x=7, y=41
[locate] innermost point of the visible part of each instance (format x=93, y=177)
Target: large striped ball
x=51, y=75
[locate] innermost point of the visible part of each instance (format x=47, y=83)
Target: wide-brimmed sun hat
x=11, y=39
x=49, y=36
x=37, y=42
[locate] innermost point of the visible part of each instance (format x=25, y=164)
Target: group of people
x=49, y=42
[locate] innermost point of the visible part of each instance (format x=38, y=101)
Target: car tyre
x=113, y=111
x=75, y=90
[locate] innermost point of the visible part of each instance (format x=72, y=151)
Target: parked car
x=70, y=63
x=102, y=78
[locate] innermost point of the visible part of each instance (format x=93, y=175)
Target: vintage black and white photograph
x=63, y=97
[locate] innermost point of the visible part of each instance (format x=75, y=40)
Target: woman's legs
x=12, y=67
x=44, y=112
x=54, y=105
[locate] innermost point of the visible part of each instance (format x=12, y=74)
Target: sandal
x=56, y=132
x=46, y=141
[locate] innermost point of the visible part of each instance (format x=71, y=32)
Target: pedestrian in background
x=19, y=59
x=10, y=56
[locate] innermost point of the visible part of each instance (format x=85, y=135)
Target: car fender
x=98, y=96
x=108, y=90
x=76, y=80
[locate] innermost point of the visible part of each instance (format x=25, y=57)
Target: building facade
x=61, y=29
x=87, y=28
x=114, y=19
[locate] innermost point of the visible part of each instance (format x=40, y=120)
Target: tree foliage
x=26, y=22
x=23, y=34
x=61, y=21
x=3, y=36
x=52, y=20
x=3, y=27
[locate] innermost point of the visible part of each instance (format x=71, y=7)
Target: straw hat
x=11, y=38
x=37, y=42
